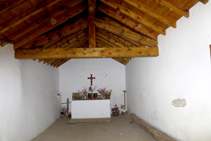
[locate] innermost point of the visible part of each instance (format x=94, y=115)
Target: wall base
x=153, y=132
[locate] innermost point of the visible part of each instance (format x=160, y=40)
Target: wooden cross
x=91, y=78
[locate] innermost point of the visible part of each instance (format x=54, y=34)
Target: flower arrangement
x=105, y=93
x=102, y=91
x=92, y=89
x=83, y=92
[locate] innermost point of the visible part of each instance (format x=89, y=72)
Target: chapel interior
x=105, y=70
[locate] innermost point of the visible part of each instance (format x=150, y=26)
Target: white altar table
x=88, y=109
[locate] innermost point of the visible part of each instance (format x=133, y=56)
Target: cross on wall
x=91, y=78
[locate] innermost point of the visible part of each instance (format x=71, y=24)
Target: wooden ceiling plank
x=102, y=44
x=56, y=35
x=117, y=38
x=111, y=40
x=56, y=62
x=10, y=5
x=45, y=61
x=120, y=61
x=48, y=26
x=21, y=18
x=61, y=61
x=65, y=60
x=122, y=31
x=85, y=53
x=141, y=6
x=76, y=44
x=63, y=40
x=18, y=34
x=135, y=16
x=127, y=22
x=50, y=61
x=111, y=44
x=172, y=6
x=91, y=19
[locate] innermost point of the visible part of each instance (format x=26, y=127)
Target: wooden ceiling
x=54, y=31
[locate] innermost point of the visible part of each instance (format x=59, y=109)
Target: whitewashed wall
x=28, y=97
x=182, y=70
x=109, y=74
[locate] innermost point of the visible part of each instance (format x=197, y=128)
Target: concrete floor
x=120, y=129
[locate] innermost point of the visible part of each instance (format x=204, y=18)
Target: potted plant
x=122, y=109
x=115, y=110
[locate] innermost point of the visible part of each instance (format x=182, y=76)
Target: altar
x=91, y=109
x=86, y=104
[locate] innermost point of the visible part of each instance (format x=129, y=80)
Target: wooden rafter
x=177, y=9
x=122, y=31
x=91, y=18
x=48, y=26
x=135, y=16
x=141, y=6
x=131, y=24
x=58, y=34
x=19, y=19
x=85, y=53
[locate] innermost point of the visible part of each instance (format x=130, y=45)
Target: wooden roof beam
x=21, y=18
x=172, y=6
x=122, y=31
x=91, y=18
x=135, y=16
x=141, y=6
x=48, y=26
x=58, y=34
x=119, y=17
x=85, y=53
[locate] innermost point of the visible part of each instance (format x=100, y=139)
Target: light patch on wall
x=179, y=103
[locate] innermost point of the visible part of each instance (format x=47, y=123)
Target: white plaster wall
x=109, y=74
x=182, y=70
x=28, y=97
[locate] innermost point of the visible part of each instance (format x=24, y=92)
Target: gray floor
x=120, y=129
